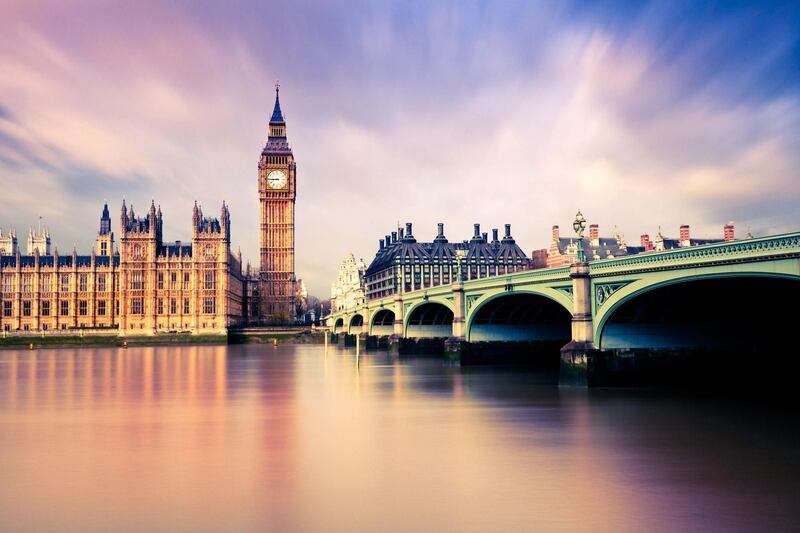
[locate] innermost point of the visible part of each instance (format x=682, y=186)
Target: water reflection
x=296, y=438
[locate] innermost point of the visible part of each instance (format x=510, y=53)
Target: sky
x=642, y=115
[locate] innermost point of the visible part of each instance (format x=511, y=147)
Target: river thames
x=294, y=438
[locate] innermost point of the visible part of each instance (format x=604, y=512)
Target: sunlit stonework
x=148, y=286
x=348, y=290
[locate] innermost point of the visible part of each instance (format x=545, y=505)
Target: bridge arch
x=429, y=319
x=713, y=310
x=382, y=322
x=521, y=315
x=356, y=324
x=338, y=326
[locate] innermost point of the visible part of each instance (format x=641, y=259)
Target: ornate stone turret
x=196, y=216
x=8, y=242
x=658, y=242
x=123, y=218
x=105, y=237
x=225, y=221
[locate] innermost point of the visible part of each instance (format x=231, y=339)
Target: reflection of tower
x=277, y=192
x=279, y=443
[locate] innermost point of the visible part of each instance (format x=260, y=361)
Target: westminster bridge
x=607, y=319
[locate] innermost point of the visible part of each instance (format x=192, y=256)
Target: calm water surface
x=246, y=438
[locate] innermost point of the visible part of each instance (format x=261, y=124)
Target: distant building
x=39, y=241
x=661, y=243
x=564, y=250
x=300, y=299
x=146, y=287
x=149, y=286
x=8, y=242
x=347, y=291
x=404, y=264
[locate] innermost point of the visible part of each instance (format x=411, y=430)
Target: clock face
x=276, y=179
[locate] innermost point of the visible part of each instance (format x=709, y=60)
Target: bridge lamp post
x=460, y=255
x=579, y=225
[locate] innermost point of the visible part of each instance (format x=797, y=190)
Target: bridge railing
x=767, y=247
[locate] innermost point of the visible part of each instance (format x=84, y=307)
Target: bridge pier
x=455, y=346
x=577, y=355
x=396, y=338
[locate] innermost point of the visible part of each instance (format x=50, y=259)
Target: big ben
x=277, y=191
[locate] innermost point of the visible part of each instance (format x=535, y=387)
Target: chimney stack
x=440, y=238
x=508, y=231
x=555, y=233
x=400, y=233
x=495, y=235
x=380, y=244
x=646, y=243
x=408, y=229
x=594, y=235
x=477, y=234
x=684, y=235
x=394, y=237
x=485, y=237
x=728, y=231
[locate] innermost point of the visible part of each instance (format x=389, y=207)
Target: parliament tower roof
x=277, y=114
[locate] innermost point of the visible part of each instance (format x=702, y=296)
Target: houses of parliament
x=143, y=285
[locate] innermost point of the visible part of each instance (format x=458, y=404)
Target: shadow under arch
x=519, y=316
x=742, y=310
x=338, y=325
x=356, y=324
x=382, y=323
x=429, y=320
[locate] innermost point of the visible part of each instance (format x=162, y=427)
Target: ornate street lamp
x=399, y=279
x=579, y=225
x=460, y=255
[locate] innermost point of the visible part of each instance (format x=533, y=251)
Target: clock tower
x=277, y=192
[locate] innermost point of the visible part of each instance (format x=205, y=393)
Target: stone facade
x=144, y=288
x=39, y=241
x=8, y=242
x=348, y=291
x=277, y=192
x=149, y=286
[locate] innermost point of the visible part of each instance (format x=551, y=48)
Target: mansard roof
x=479, y=250
x=276, y=145
x=176, y=250
x=510, y=252
x=407, y=249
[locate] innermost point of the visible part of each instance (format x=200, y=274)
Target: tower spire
x=277, y=115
